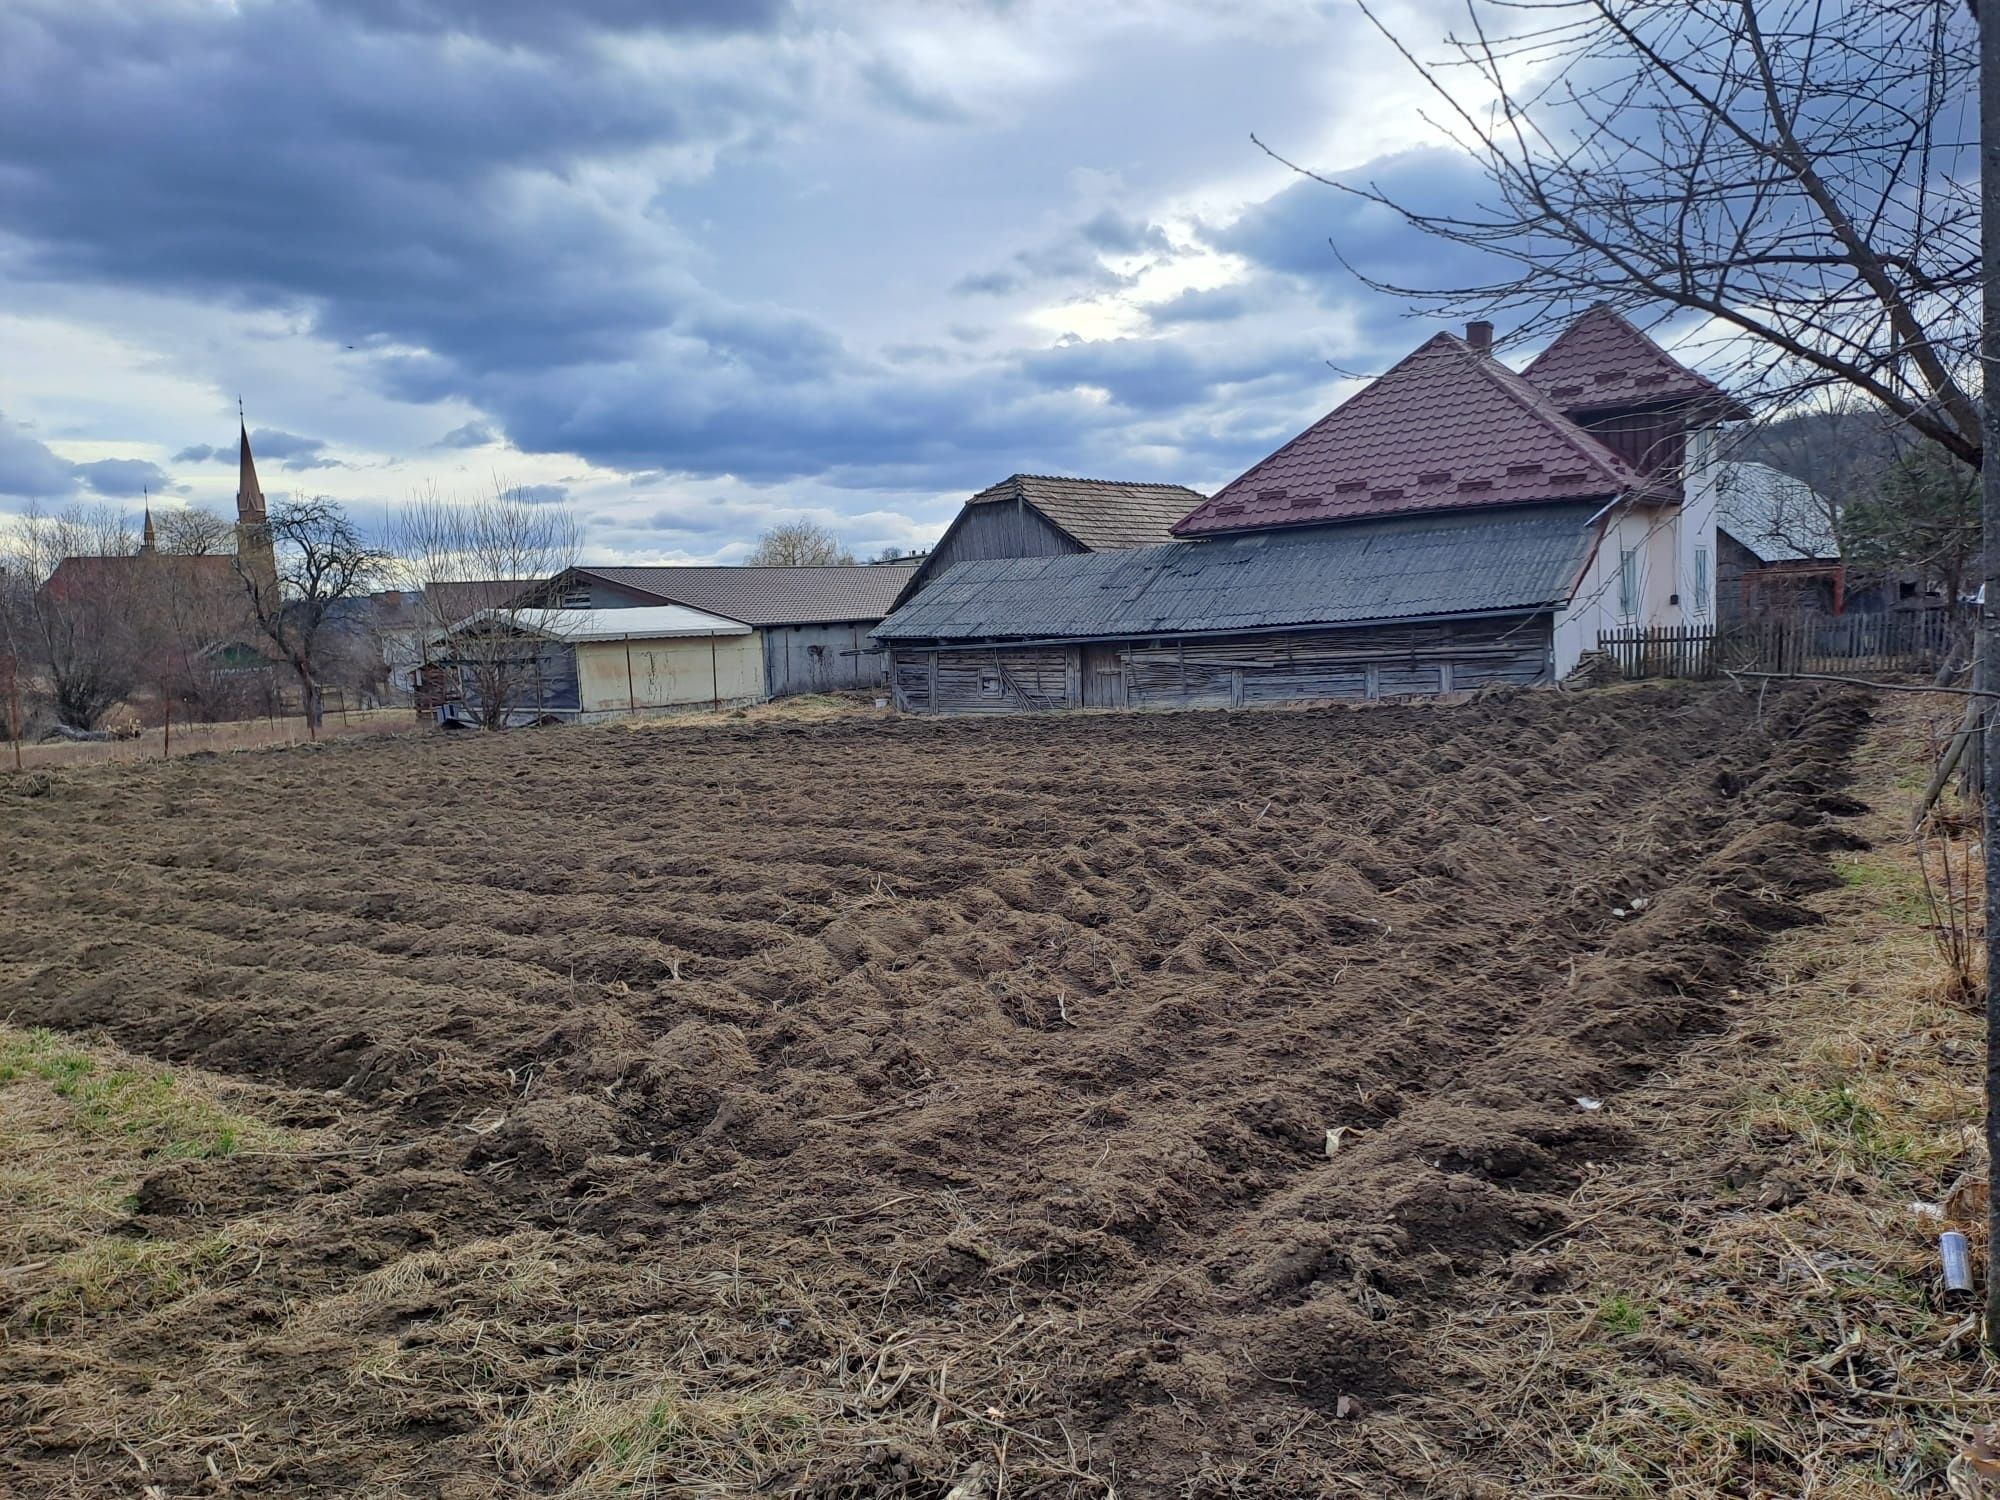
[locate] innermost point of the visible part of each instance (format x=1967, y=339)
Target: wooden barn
x=1454, y=523
x=1040, y=515
x=1393, y=607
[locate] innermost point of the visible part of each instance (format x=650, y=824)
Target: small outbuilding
x=587, y=665
x=812, y=623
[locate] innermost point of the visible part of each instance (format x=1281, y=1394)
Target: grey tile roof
x=1778, y=518
x=771, y=596
x=1367, y=570
x=1103, y=514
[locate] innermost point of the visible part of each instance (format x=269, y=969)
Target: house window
x=1628, y=581
x=989, y=684
x=576, y=598
x=1701, y=580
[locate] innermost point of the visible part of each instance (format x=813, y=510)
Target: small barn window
x=989, y=684
x=1701, y=580
x=577, y=597
x=1628, y=581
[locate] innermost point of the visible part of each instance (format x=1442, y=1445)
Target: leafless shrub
x=473, y=564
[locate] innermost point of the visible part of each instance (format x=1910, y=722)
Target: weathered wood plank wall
x=1381, y=661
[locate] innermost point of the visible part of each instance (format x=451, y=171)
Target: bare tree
x=799, y=544
x=71, y=611
x=1800, y=175
x=1816, y=181
x=323, y=564
x=474, y=565
x=192, y=532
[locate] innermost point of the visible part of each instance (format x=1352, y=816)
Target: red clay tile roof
x=1601, y=361
x=1447, y=429
x=128, y=574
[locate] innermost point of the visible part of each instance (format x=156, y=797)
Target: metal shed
x=813, y=623
x=593, y=664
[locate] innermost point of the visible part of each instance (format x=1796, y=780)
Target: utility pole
x=1988, y=681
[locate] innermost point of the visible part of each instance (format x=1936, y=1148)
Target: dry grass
x=241, y=734
x=1753, y=1306
x=805, y=708
x=80, y=1127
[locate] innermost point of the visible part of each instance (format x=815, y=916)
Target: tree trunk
x=311, y=699
x=1989, y=616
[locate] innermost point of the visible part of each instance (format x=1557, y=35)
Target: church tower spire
x=253, y=527
x=148, y=543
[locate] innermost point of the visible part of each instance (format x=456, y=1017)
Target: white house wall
x=1670, y=545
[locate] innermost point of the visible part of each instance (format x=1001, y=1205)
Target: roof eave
x=1606, y=496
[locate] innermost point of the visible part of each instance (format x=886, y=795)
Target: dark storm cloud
x=1076, y=256
x=1222, y=304
x=28, y=469
x=449, y=187
x=1121, y=234
x=120, y=476
x=288, y=449
x=539, y=494
x=1307, y=230
x=546, y=22
x=404, y=187
x=31, y=470
x=471, y=435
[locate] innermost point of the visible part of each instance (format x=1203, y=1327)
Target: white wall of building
x=1654, y=564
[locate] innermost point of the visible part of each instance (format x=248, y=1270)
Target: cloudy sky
x=697, y=265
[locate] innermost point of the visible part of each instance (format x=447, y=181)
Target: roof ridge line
x=1537, y=405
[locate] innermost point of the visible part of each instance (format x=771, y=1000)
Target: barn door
x=1103, y=677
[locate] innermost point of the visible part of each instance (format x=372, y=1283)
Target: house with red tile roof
x=1452, y=524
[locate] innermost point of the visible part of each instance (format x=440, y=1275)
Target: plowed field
x=866, y=1108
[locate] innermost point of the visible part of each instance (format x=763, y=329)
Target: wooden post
x=14, y=705
x=631, y=690
x=715, y=677
x=166, y=724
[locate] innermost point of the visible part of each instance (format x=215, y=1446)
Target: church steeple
x=148, y=543
x=253, y=526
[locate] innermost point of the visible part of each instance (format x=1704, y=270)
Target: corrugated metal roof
x=654, y=622
x=1448, y=428
x=1778, y=518
x=1601, y=361
x=771, y=596
x=1365, y=570
x=1102, y=514
x=454, y=601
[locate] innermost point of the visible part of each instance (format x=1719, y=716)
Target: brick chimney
x=1480, y=335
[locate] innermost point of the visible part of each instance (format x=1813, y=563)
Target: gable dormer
x=1627, y=392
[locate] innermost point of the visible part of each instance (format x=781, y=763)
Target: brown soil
x=862, y=1108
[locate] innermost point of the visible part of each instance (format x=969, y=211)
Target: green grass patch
x=1620, y=1316
x=1840, y=1121
x=112, y=1275
x=151, y=1108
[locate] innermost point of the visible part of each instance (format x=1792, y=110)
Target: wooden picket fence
x=1841, y=645
x=1661, y=650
